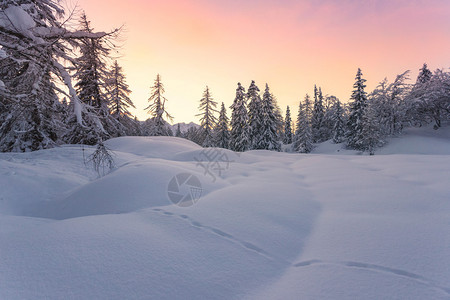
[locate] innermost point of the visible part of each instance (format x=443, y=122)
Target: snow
x=327, y=225
x=15, y=18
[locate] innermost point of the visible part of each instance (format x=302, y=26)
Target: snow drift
x=267, y=225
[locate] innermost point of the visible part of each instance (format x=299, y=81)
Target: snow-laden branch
x=73, y=94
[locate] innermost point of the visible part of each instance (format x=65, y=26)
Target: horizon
x=291, y=46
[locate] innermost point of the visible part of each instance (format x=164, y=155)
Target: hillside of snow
x=333, y=224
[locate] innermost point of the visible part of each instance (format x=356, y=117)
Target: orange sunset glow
x=291, y=45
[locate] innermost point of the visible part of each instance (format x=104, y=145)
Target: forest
x=62, y=84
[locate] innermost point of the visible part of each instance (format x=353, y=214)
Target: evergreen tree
x=279, y=118
x=255, y=117
x=371, y=137
x=303, y=136
x=91, y=75
x=432, y=99
x=91, y=68
x=424, y=75
x=328, y=120
x=287, y=127
x=358, y=107
x=317, y=116
x=208, y=120
x=222, y=134
x=338, y=123
x=118, y=94
x=178, y=132
x=269, y=138
x=193, y=134
x=239, y=136
x=388, y=104
x=157, y=110
x=34, y=50
x=136, y=127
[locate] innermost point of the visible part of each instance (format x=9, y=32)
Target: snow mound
x=155, y=147
x=420, y=141
x=424, y=140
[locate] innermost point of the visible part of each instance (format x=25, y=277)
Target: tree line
x=62, y=85
x=364, y=123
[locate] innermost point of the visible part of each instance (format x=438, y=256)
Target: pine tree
x=157, y=125
x=424, y=75
x=278, y=117
x=221, y=132
x=338, y=123
x=239, y=136
x=91, y=75
x=358, y=107
x=432, y=99
x=178, y=132
x=287, y=127
x=328, y=120
x=317, y=116
x=303, y=136
x=255, y=117
x=35, y=48
x=269, y=138
x=208, y=120
x=119, y=100
x=388, y=102
x=91, y=68
x=371, y=136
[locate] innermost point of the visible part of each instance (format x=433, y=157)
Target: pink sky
x=291, y=45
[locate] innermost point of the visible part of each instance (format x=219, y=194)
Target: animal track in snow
x=247, y=245
x=377, y=268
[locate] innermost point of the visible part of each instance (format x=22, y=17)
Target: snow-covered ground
x=334, y=224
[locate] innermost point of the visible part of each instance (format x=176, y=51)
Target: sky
x=290, y=45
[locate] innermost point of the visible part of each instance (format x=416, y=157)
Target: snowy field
x=329, y=225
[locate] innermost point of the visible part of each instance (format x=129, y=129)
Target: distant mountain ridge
x=183, y=126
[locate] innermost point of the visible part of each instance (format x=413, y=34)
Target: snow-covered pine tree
x=35, y=47
x=328, y=119
x=302, y=141
x=239, y=135
x=357, y=108
x=178, y=131
x=317, y=116
x=193, y=134
x=221, y=132
x=388, y=105
x=208, y=120
x=338, y=123
x=279, y=118
x=136, y=129
x=119, y=100
x=157, y=110
x=371, y=136
x=91, y=68
x=424, y=75
x=269, y=138
x=287, y=138
x=255, y=116
x=432, y=99
x=91, y=75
